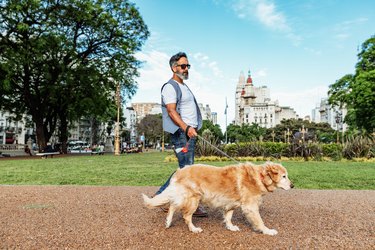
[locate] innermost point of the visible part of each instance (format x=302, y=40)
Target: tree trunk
x=94, y=131
x=63, y=134
x=40, y=135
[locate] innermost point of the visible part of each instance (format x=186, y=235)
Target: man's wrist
x=187, y=131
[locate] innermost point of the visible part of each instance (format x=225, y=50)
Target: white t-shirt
x=188, y=110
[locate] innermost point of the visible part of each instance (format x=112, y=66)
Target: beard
x=183, y=75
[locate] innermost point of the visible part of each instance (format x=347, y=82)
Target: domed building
x=254, y=105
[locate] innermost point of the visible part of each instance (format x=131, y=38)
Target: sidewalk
x=84, y=217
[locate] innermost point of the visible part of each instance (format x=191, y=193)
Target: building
x=145, y=108
x=131, y=122
x=205, y=111
x=12, y=131
x=254, y=105
x=214, y=117
x=333, y=115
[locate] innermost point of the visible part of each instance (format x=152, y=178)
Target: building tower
x=239, y=89
x=245, y=95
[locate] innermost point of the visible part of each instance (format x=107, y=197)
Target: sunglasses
x=183, y=66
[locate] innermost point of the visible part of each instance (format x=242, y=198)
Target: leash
x=209, y=143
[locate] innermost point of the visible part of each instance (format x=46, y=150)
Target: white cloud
x=260, y=73
x=313, y=51
x=301, y=100
x=265, y=11
x=267, y=14
x=155, y=68
x=206, y=63
x=343, y=30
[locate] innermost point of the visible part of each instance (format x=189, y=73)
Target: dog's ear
x=267, y=180
x=273, y=172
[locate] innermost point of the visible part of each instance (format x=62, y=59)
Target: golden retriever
x=227, y=187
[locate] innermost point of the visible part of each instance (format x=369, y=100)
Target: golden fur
x=227, y=187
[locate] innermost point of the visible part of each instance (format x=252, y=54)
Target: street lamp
x=273, y=136
x=338, y=119
x=287, y=135
x=117, y=129
x=303, y=132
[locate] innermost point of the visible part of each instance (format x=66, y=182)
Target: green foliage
x=214, y=128
x=275, y=149
x=245, y=132
x=204, y=147
x=61, y=60
x=357, y=92
x=358, y=146
x=332, y=150
x=151, y=127
x=321, y=132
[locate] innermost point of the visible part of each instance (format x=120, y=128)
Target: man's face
x=182, y=68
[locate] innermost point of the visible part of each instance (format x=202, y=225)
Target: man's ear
x=173, y=70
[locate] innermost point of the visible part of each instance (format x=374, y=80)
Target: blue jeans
x=179, y=140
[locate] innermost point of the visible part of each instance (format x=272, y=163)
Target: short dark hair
x=176, y=57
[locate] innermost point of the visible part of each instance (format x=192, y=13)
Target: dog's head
x=275, y=176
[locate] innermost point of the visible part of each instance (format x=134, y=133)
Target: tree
x=213, y=128
x=62, y=59
x=151, y=127
x=314, y=131
x=357, y=92
x=245, y=132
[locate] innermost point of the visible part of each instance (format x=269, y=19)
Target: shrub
x=359, y=146
x=275, y=149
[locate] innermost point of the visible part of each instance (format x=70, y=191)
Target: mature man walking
x=181, y=116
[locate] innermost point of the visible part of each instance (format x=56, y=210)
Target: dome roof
x=249, y=79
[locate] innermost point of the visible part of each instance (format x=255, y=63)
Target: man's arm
x=176, y=118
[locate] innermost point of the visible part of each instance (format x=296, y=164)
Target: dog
x=227, y=187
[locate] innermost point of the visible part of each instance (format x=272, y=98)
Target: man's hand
x=191, y=132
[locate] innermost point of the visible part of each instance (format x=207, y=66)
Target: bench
x=97, y=153
x=4, y=155
x=45, y=155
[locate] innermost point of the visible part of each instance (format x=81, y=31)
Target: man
x=181, y=115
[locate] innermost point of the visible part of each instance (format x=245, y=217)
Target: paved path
x=76, y=217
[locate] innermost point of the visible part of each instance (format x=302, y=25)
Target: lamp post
x=117, y=128
x=338, y=119
x=288, y=134
x=303, y=132
x=273, y=136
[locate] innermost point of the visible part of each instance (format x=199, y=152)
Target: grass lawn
x=149, y=169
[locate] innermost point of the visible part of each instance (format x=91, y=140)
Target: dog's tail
x=156, y=201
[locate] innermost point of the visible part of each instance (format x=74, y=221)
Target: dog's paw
x=196, y=230
x=269, y=231
x=168, y=224
x=233, y=228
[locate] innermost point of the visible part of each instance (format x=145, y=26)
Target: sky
x=297, y=48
